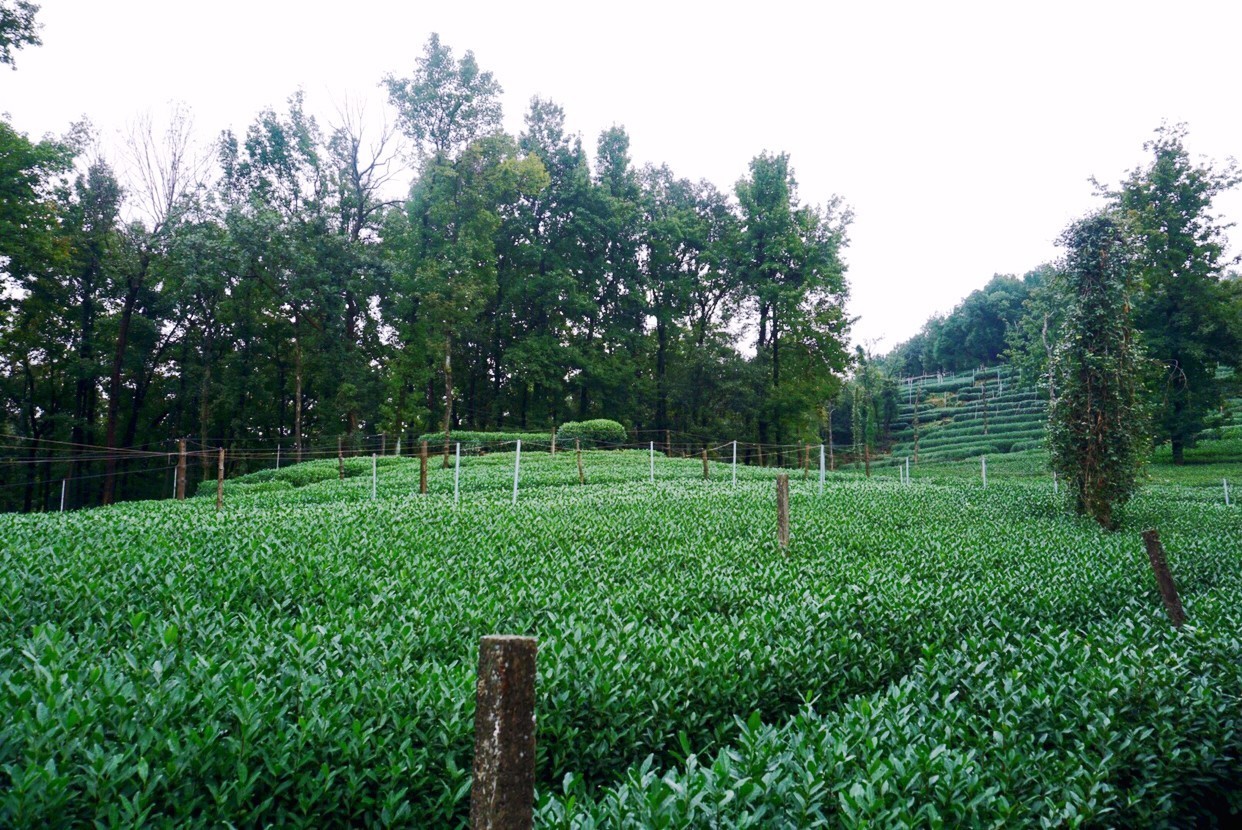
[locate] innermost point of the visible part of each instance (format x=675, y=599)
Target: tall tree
x=35, y=305
x=611, y=335
x=447, y=103
x=539, y=297
x=672, y=239
x=790, y=263
x=1183, y=310
x=165, y=172
x=447, y=108
x=277, y=191
x=1096, y=424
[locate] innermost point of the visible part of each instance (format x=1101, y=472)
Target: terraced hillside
x=986, y=412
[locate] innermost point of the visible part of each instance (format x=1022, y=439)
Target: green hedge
x=485, y=440
x=600, y=432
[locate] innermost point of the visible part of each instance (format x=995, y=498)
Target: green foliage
x=1097, y=423
x=306, y=657
x=471, y=440
x=18, y=28
x=296, y=475
x=974, y=333
x=599, y=432
x=1189, y=321
x=448, y=103
x=790, y=267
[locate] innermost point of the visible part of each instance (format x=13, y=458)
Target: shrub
x=470, y=440
x=600, y=432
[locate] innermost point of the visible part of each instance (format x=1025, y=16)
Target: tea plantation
x=988, y=412
x=931, y=654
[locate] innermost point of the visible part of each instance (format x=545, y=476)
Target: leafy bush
x=600, y=432
x=295, y=475
x=472, y=441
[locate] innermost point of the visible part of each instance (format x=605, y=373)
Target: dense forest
x=271, y=290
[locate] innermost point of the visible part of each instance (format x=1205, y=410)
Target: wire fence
x=44, y=474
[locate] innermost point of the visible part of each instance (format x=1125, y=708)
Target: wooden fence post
x=806, y=462
x=502, y=793
x=422, y=468
x=782, y=510
x=578, y=452
x=554, y=441
x=340, y=457
x=1164, y=579
x=181, y=469
x=220, y=481
x=707, y=476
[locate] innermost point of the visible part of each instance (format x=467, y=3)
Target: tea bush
x=927, y=654
x=600, y=432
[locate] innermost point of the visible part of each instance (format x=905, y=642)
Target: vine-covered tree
x=1097, y=425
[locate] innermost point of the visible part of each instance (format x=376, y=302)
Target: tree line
x=272, y=290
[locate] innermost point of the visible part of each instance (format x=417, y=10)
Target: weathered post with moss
x=422, y=469
x=1164, y=577
x=502, y=793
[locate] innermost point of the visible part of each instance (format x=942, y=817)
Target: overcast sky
x=963, y=135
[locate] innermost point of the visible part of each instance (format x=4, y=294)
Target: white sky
x=962, y=134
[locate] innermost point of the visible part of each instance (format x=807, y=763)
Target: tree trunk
x=661, y=374
x=583, y=394
x=114, y=390
x=84, y=394
x=297, y=397
x=32, y=426
x=448, y=394
x=204, y=414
